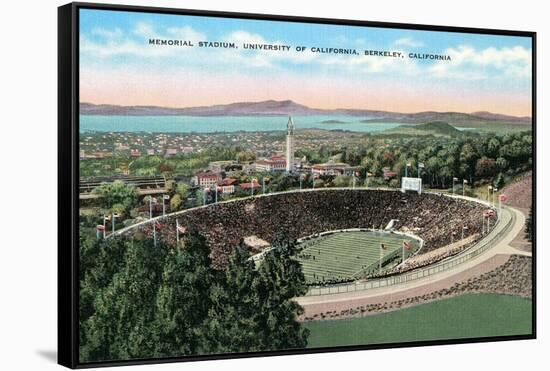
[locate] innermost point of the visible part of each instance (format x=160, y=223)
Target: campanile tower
x=290, y=145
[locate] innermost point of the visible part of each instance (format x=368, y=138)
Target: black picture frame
x=68, y=179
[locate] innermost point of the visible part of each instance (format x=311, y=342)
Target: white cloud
x=114, y=42
x=408, y=42
x=471, y=63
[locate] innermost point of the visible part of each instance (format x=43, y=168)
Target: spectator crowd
x=437, y=219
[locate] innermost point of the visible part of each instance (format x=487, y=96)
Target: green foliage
x=182, y=189
x=142, y=301
x=245, y=156
x=342, y=181
x=499, y=181
x=117, y=193
x=175, y=202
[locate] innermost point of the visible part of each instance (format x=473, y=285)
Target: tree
x=233, y=317
x=119, y=327
x=342, y=181
x=199, y=196
x=485, y=167
x=245, y=156
x=175, y=202
x=183, y=300
x=280, y=279
x=117, y=193
x=182, y=189
x=499, y=181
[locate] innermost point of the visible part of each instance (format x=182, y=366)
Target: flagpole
x=177, y=231
x=380, y=262
x=154, y=234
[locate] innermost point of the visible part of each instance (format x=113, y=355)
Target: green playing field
x=344, y=255
x=466, y=316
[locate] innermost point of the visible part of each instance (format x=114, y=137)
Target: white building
x=227, y=186
x=273, y=163
x=206, y=178
x=289, y=145
x=333, y=168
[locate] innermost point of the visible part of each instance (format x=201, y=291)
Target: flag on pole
x=182, y=229
x=455, y=179
x=421, y=164
x=357, y=173
x=406, y=245
x=157, y=225
x=503, y=198
x=464, y=181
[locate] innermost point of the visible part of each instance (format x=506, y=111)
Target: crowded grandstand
x=438, y=220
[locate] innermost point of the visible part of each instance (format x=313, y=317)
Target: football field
x=346, y=255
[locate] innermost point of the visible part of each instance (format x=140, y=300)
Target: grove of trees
x=141, y=301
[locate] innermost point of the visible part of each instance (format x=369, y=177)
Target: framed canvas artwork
x=238, y=185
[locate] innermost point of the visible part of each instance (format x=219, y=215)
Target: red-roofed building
x=227, y=186
x=249, y=186
x=135, y=153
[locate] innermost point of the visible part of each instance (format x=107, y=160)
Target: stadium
x=344, y=234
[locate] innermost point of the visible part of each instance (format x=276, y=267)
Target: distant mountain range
x=288, y=107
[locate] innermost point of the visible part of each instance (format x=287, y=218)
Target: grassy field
x=344, y=255
x=466, y=316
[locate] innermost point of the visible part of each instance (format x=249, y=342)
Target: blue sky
x=486, y=72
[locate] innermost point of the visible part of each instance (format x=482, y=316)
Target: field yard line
x=502, y=247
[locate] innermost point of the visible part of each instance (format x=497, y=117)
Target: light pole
x=420, y=166
x=164, y=199
x=115, y=215
x=155, y=234
x=150, y=207
x=454, y=180
x=254, y=180
x=100, y=231
x=105, y=218
x=367, y=177
x=464, y=182
x=489, y=189
x=177, y=231
x=407, y=169
x=463, y=229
